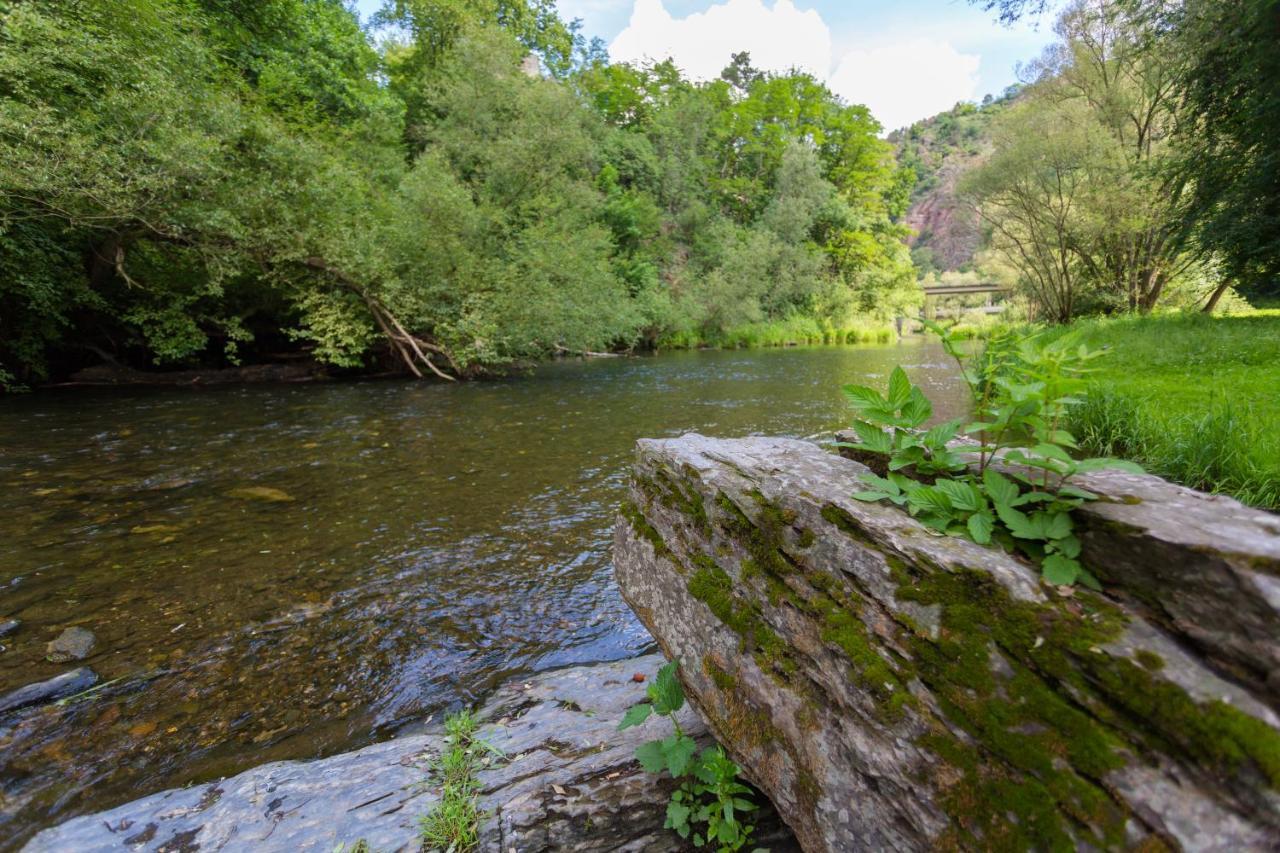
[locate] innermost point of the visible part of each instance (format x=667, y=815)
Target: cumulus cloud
x=900, y=80
x=777, y=38
x=904, y=81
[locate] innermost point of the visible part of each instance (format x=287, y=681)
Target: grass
x=1192, y=398
x=791, y=331
x=453, y=824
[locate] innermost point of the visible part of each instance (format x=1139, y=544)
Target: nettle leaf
x=1001, y=489
x=862, y=397
x=678, y=818
x=1059, y=570
x=635, y=715
x=665, y=692
x=678, y=751
x=938, y=436
x=873, y=437
x=900, y=388
x=917, y=408
x=1068, y=546
x=1057, y=525
x=981, y=525
x=906, y=457
x=892, y=486
x=929, y=499
x=1017, y=522
x=963, y=496
x=1051, y=451
x=652, y=757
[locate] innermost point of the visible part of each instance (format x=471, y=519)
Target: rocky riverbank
x=566, y=780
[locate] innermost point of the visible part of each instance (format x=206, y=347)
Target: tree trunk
x=1214, y=297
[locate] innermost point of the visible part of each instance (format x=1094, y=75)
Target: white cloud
x=779, y=38
x=904, y=81
x=901, y=80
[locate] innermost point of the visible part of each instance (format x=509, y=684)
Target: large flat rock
x=891, y=688
x=568, y=782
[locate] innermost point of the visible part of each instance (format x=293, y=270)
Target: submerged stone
x=67, y=684
x=261, y=493
x=72, y=644
x=8, y=626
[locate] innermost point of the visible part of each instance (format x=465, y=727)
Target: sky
x=905, y=60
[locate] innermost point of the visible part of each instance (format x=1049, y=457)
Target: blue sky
x=906, y=60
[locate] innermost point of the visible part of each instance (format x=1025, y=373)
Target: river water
x=437, y=540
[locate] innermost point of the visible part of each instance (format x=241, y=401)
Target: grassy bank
x=792, y=331
x=1192, y=398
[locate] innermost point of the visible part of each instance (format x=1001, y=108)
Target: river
x=436, y=540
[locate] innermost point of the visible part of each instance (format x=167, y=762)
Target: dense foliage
x=205, y=181
x=1139, y=166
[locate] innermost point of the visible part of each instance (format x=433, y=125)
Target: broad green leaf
x=635, y=715
x=963, y=496
x=1059, y=570
x=980, y=525
x=1017, y=522
x=678, y=818
x=1057, y=525
x=679, y=751
x=652, y=757
x=1068, y=546
x=929, y=499
x=862, y=397
x=999, y=487
x=666, y=693
x=917, y=409
x=1051, y=451
x=872, y=497
x=939, y=435
x=873, y=437
x=899, y=388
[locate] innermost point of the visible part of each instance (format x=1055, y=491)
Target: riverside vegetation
x=709, y=793
x=204, y=183
x=1023, y=390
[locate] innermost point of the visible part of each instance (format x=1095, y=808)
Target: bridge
x=958, y=289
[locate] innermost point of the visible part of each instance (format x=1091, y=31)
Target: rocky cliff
x=890, y=688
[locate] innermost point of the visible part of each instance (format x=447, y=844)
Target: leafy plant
x=710, y=793
x=1022, y=390
x=453, y=824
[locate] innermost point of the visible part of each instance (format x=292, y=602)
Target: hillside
x=939, y=150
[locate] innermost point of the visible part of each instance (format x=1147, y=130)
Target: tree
x=1229, y=147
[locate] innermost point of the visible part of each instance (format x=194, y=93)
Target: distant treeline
x=204, y=182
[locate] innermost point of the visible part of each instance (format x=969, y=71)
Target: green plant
x=710, y=792
x=1022, y=389
x=453, y=824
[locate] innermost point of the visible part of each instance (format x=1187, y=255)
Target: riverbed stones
x=72, y=644
x=8, y=626
x=66, y=684
x=891, y=688
x=567, y=780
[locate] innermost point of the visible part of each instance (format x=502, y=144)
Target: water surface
x=439, y=539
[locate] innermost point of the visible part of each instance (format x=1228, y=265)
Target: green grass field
x=1193, y=398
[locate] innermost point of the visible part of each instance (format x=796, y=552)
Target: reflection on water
x=438, y=540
